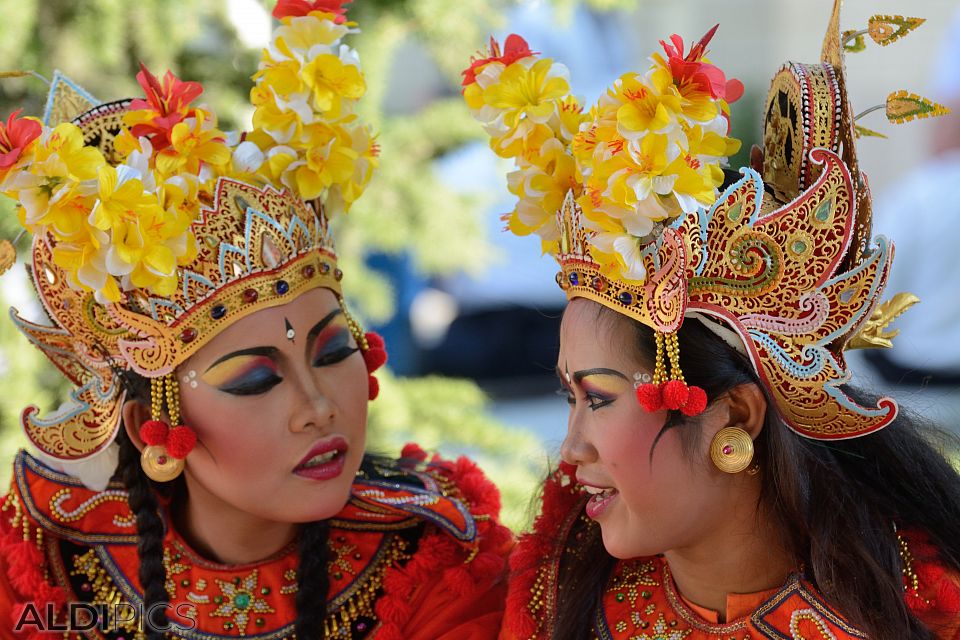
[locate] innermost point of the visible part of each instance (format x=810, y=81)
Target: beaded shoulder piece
x=409, y=523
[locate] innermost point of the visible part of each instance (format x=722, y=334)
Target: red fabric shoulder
x=444, y=562
x=534, y=563
x=932, y=589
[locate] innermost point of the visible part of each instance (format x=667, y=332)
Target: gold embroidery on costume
x=102, y=588
x=238, y=600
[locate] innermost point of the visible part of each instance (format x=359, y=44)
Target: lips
x=324, y=461
x=600, y=499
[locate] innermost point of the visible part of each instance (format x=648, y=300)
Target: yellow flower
x=298, y=35
x=193, y=142
x=331, y=81
x=282, y=120
x=328, y=160
x=647, y=104
x=526, y=90
x=56, y=187
x=541, y=187
x=523, y=141
x=122, y=210
x=283, y=77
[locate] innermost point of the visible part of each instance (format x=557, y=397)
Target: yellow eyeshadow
x=234, y=368
x=604, y=384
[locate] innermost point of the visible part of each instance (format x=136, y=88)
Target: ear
x=746, y=408
x=134, y=414
x=756, y=158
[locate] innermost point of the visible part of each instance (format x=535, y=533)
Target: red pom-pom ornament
x=181, y=441
x=374, y=357
x=650, y=397
x=675, y=394
x=696, y=402
x=154, y=432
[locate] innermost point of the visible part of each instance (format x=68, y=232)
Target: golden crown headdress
x=626, y=197
x=153, y=229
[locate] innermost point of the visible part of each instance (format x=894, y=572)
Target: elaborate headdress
x=626, y=198
x=153, y=230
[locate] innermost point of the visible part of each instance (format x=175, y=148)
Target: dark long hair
x=836, y=503
x=313, y=581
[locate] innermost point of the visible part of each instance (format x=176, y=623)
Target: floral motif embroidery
x=239, y=599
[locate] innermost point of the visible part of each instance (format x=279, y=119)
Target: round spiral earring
x=731, y=449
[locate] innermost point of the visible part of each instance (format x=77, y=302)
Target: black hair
x=835, y=503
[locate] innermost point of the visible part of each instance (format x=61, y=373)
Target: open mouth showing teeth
x=599, y=493
x=322, y=459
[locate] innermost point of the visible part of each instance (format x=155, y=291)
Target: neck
x=224, y=534
x=743, y=554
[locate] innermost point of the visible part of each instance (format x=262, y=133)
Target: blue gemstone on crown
x=282, y=287
x=574, y=278
x=626, y=298
x=218, y=312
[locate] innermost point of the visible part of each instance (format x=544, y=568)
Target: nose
x=575, y=448
x=312, y=409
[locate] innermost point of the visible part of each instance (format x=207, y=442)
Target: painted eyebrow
x=580, y=375
x=320, y=326
x=269, y=352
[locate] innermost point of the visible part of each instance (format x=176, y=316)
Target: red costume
x=641, y=601
x=415, y=555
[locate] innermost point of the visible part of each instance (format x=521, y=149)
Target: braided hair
x=313, y=580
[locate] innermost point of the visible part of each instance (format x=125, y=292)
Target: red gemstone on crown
x=188, y=335
x=309, y=271
x=727, y=450
x=250, y=295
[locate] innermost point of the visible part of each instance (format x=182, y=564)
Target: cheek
x=231, y=424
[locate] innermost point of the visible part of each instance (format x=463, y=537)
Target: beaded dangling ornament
x=372, y=348
x=162, y=459
x=669, y=390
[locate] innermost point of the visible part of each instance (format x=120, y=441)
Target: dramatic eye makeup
x=246, y=372
x=600, y=386
x=329, y=340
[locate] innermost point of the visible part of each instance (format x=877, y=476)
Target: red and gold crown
x=626, y=197
x=153, y=230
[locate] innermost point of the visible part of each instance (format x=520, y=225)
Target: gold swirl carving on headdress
x=873, y=334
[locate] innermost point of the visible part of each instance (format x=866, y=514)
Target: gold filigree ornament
x=783, y=261
x=227, y=225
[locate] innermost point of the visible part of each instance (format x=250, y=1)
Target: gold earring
x=159, y=465
x=731, y=449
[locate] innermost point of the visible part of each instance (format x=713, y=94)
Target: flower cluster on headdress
x=524, y=103
x=116, y=228
x=650, y=150
x=307, y=134
x=124, y=227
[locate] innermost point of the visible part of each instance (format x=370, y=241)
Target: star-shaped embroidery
x=662, y=631
x=633, y=575
x=238, y=599
x=341, y=562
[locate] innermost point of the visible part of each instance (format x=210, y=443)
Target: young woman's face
x=655, y=497
x=279, y=404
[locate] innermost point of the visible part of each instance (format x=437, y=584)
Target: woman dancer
x=207, y=477
x=750, y=494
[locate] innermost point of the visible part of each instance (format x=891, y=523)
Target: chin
x=623, y=544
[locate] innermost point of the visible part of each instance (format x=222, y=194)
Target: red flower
x=15, y=136
x=514, y=48
x=170, y=103
x=297, y=8
x=692, y=71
